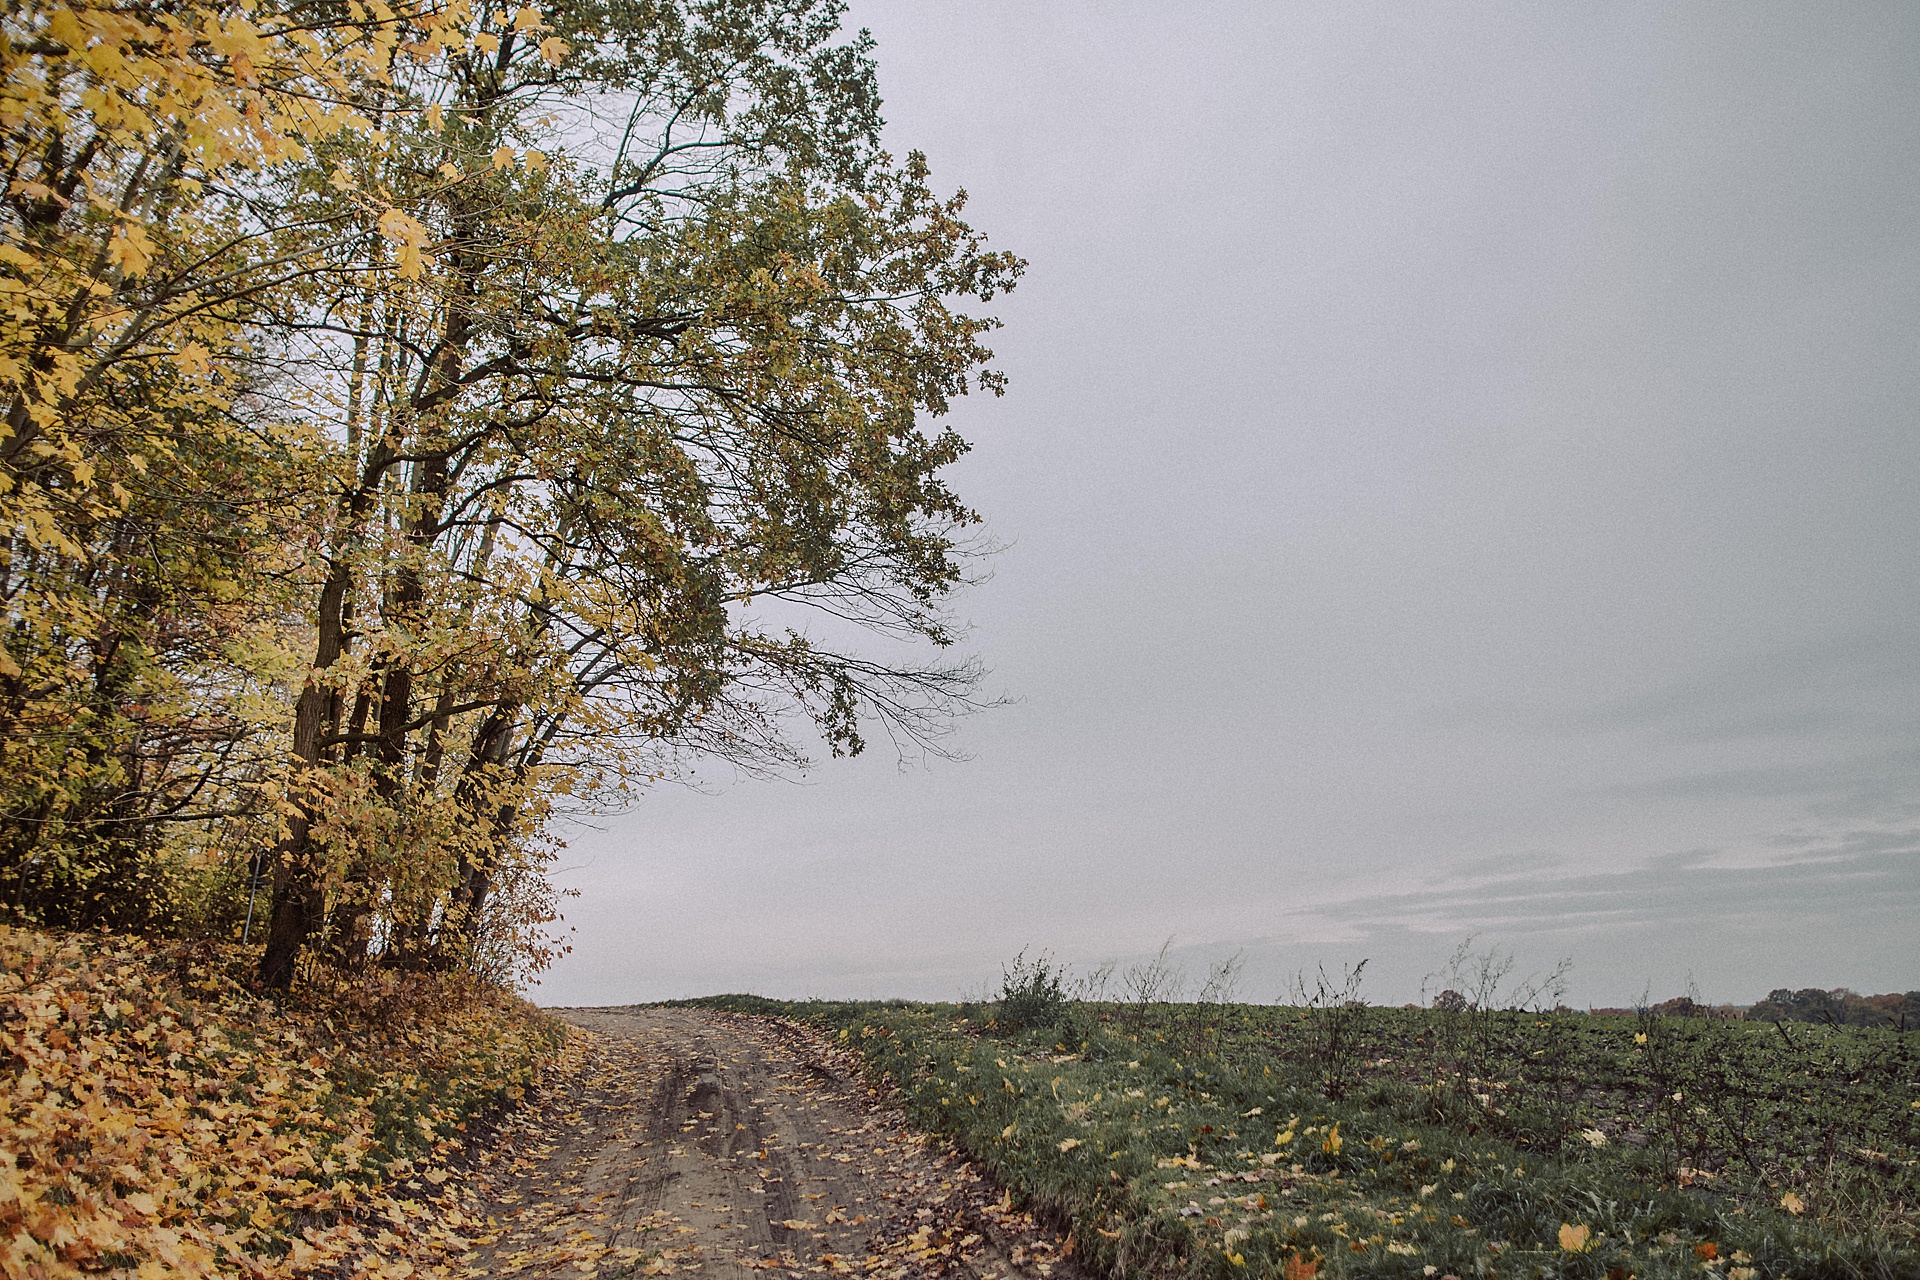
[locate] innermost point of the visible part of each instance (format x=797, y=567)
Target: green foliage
x=758, y=1005
x=1033, y=993
x=150, y=489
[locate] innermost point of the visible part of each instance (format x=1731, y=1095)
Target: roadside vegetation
x=1483, y=1139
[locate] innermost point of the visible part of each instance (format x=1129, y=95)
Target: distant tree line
x=1840, y=1007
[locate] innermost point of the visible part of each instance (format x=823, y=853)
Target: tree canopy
x=424, y=422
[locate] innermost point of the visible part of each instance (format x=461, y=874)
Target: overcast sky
x=1459, y=477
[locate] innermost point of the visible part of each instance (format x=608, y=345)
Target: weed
x=1151, y=985
x=1033, y=993
x=1333, y=1017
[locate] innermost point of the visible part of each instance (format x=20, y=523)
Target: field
x=1226, y=1140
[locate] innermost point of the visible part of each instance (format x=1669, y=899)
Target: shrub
x=1032, y=993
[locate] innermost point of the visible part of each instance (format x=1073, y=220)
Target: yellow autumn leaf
x=1793, y=1204
x=536, y=161
x=1575, y=1239
x=1008, y=1131
x=408, y=236
x=130, y=250
x=436, y=117
x=1068, y=1144
x=554, y=50
x=64, y=25
x=502, y=157
x=401, y=227
x=1333, y=1141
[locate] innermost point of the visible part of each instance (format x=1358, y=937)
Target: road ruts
x=732, y=1146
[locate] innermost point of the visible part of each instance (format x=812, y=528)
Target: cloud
x=1871, y=779
x=1850, y=897
x=1804, y=690
x=1838, y=873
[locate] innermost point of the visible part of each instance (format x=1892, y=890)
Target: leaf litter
x=159, y=1120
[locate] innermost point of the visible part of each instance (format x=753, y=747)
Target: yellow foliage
x=131, y=251
x=329, y=687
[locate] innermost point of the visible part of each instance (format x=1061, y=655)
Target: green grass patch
x=1232, y=1140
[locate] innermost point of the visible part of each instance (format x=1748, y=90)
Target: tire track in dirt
x=729, y=1145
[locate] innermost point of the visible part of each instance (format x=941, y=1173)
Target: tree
x=422, y=421
x=625, y=387
x=140, y=486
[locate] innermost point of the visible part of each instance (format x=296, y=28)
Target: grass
x=1226, y=1140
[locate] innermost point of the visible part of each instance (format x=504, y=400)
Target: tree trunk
x=298, y=896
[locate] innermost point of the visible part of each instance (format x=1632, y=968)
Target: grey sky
x=1459, y=476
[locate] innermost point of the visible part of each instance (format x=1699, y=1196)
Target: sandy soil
x=727, y=1145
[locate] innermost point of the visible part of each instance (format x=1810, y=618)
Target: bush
x=1032, y=993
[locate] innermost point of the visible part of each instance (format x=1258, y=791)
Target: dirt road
x=725, y=1145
